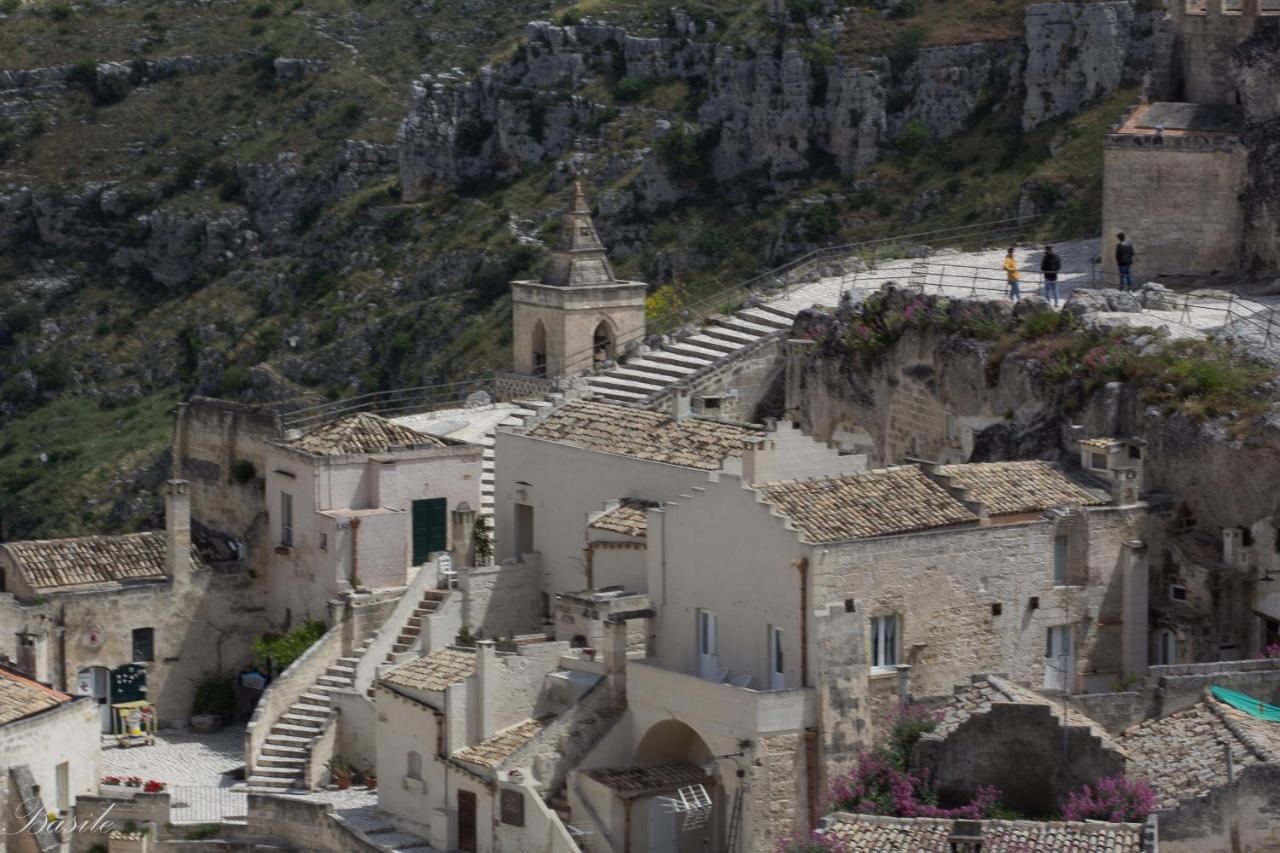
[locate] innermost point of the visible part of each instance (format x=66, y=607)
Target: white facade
x=335, y=519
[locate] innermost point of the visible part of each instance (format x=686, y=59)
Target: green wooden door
x=429, y=531
x=129, y=683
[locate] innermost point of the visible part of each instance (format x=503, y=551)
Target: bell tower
x=578, y=314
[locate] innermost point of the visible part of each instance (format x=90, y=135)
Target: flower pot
x=343, y=782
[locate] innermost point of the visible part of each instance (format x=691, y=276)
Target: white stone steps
x=292, y=718
x=322, y=701
x=692, y=350
x=309, y=710
x=256, y=781
x=289, y=773
x=626, y=383
x=668, y=355
x=341, y=670
x=333, y=682
x=731, y=336
x=764, y=315
x=283, y=760
x=675, y=371
x=647, y=377
x=749, y=326
x=618, y=394
x=304, y=733
x=718, y=347
x=283, y=740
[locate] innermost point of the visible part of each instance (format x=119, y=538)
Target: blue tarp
x=1248, y=704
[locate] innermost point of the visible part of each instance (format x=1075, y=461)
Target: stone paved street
x=195, y=767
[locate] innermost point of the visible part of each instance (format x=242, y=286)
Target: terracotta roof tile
x=1100, y=442
x=631, y=518
x=1016, y=487
x=642, y=780
x=497, y=749
x=874, y=503
x=643, y=434
x=87, y=562
x=434, y=672
x=361, y=432
x=874, y=834
x=21, y=697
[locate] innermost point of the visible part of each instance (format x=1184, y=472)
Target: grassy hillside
x=373, y=292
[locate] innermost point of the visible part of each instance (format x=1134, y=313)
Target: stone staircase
x=407, y=639
x=287, y=750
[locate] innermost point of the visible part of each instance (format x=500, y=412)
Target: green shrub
x=350, y=115
x=905, y=9
x=215, y=694
x=60, y=12
x=914, y=137
x=904, y=50
x=686, y=154
x=262, y=10
x=633, y=88
x=281, y=650
x=821, y=221
x=203, y=832
x=233, y=380
x=472, y=135
x=714, y=242
x=8, y=7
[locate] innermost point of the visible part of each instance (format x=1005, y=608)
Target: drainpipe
x=355, y=553
x=802, y=566
x=626, y=826
x=587, y=554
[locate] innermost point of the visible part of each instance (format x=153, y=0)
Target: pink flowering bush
x=876, y=785
x=1115, y=798
x=812, y=843
x=1272, y=651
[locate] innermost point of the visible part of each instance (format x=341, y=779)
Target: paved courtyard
x=196, y=768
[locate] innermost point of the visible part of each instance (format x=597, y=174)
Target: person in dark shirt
x=1124, y=261
x=1049, y=265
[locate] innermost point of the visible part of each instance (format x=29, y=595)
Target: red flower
x=152, y=787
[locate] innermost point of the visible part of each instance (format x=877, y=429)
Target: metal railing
x=198, y=804
x=398, y=401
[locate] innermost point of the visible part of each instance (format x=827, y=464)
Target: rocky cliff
x=1256, y=67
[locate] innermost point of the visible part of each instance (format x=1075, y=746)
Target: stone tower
x=578, y=314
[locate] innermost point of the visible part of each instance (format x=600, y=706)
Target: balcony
x=739, y=710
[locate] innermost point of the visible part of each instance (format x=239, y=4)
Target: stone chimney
x=680, y=403
x=759, y=461
x=966, y=836
x=487, y=686
x=177, y=528
x=615, y=661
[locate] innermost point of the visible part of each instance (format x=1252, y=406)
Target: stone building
x=586, y=455
x=48, y=756
x=140, y=615
x=578, y=315
x=360, y=502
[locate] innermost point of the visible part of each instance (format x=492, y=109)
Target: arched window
x=602, y=342
x=539, y=349
x=413, y=766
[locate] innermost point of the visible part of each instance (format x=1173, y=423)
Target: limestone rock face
x=944, y=85
x=1080, y=53
x=1255, y=64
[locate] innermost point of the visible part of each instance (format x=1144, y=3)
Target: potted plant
x=370, y=778
x=340, y=772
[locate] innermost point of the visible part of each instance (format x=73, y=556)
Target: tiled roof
x=873, y=834
x=434, y=672
x=361, y=432
x=857, y=506
x=1100, y=443
x=1180, y=756
x=1013, y=487
x=629, y=519
x=643, y=434
x=87, y=562
x=497, y=749
x=642, y=780
x=21, y=697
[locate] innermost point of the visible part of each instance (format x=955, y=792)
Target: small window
x=884, y=642
x=511, y=807
x=1177, y=593
x=1098, y=461
x=413, y=765
x=777, y=668
x=144, y=645
x=324, y=541
x=286, y=519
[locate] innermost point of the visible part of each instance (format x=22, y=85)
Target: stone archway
x=673, y=745
x=603, y=342
x=539, y=349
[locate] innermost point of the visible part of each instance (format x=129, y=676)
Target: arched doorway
x=95, y=681
x=539, y=349
x=602, y=342
x=657, y=827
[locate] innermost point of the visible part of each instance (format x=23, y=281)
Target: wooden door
x=429, y=532
x=467, y=821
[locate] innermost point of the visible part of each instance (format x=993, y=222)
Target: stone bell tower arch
x=578, y=314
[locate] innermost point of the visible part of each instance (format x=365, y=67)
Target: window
x=324, y=541
x=511, y=807
x=1060, y=560
x=286, y=519
x=1177, y=593
x=777, y=678
x=144, y=644
x=884, y=642
x=413, y=765
x=1098, y=461
x=708, y=665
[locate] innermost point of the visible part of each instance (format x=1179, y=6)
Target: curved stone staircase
x=286, y=753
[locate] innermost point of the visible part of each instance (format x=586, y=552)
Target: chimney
x=487, y=682
x=759, y=461
x=680, y=398
x=615, y=661
x=177, y=528
x=966, y=836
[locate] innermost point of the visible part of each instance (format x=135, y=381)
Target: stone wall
x=781, y=789
x=502, y=600
x=1022, y=750
x=67, y=735
x=1205, y=44
x=1243, y=818
x=305, y=825
x=1148, y=186
x=752, y=372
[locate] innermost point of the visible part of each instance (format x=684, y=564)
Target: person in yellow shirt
x=1011, y=272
